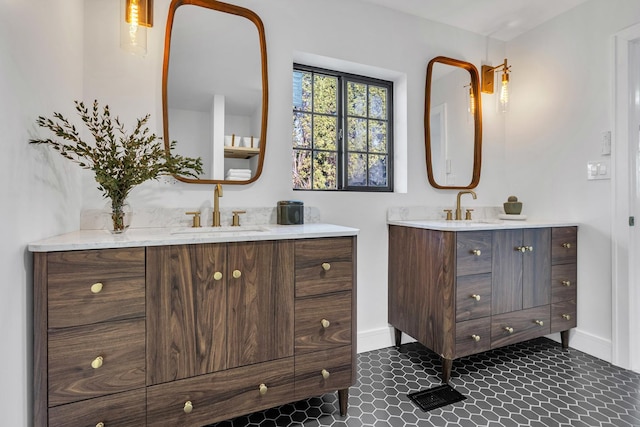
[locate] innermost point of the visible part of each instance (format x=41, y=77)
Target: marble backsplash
x=97, y=219
x=414, y=213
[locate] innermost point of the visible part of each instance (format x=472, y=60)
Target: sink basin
x=221, y=230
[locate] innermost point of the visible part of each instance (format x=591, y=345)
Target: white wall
x=561, y=104
x=40, y=72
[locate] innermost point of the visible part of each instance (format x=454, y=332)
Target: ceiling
x=499, y=19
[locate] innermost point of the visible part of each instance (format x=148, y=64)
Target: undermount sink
x=225, y=229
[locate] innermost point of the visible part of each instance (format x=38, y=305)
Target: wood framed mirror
x=453, y=124
x=215, y=89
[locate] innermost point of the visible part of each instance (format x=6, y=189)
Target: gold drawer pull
x=476, y=252
x=566, y=317
x=97, y=362
x=217, y=275
x=529, y=248
x=237, y=274
x=476, y=297
x=566, y=283
x=263, y=389
x=100, y=424
x=475, y=337
x=566, y=245
x=325, y=374
x=96, y=288
x=522, y=249
x=508, y=329
x=325, y=323
x=188, y=407
x=326, y=266
x=539, y=322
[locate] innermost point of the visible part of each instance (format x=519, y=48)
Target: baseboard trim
x=595, y=346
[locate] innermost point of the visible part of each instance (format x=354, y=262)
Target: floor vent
x=436, y=397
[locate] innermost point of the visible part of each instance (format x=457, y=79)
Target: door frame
x=625, y=352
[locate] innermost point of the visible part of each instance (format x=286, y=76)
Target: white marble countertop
x=103, y=239
x=482, y=224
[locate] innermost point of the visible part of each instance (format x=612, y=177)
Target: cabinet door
x=507, y=271
x=260, y=301
x=536, y=286
x=186, y=311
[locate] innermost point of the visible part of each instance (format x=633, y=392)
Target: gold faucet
x=458, y=209
x=217, y=193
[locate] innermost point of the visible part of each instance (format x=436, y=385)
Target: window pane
x=325, y=133
x=377, y=136
x=377, y=102
x=301, y=91
x=325, y=94
x=377, y=170
x=357, y=134
x=302, y=169
x=356, y=99
x=301, y=130
x=324, y=170
x=357, y=169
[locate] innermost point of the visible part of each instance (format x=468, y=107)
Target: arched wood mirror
x=453, y=124
x=215, y=89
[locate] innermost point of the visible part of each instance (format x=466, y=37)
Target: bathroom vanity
x=161, y=329
x=463, y=287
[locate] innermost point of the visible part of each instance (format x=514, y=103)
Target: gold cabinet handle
x=237, y=274
x=97, y=362
x=100, y=424
x=522, y=249
x=217, y=275
x=326, y=266
x=476, y=252
x=325, y=323
x=476, y=297
x=508, y=329
x=566, y=283
x=325, y=374
x=539, y=322
x=263, y=389
x=475, y=337
x=566, y=317
x=96, y=288
x=529, y=248
x=188, y=407
x=566, y=245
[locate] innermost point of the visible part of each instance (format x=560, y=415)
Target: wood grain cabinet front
x=460, y=293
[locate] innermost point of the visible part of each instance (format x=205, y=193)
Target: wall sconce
x=488, y=79
x=138, y=16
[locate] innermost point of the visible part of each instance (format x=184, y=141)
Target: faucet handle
x=235, y=222
x=467, y=214
x=196, y=219
x=449, y=214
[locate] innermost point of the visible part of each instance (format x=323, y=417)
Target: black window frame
x=342, y=148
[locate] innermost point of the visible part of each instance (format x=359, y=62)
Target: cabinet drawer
x=74, y=301
x=564, y=282
x=311, y=334
x=310, y=376
x=473, y=336
x=473, y=252
x=523, y=325
x=564, y=245
x=323, y=266
x=72, y=351
x=122, y=410
x=221, y=395
x=473, y=297
x=563, y=316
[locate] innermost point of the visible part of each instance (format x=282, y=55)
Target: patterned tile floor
x=534, y=384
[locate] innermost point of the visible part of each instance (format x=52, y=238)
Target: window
x=342, y=131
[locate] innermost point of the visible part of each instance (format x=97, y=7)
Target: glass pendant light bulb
x=133, y=36
x=471, y=105
x=503, y=99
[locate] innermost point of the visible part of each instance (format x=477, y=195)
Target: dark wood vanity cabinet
x=188, y=335
x=461, y=293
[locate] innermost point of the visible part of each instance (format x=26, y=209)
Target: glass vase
x=118, y=217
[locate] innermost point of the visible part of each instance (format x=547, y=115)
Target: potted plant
x=119, y=160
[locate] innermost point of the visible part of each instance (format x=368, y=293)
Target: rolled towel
x=239, y=171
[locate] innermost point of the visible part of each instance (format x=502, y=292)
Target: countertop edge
x=442, y=225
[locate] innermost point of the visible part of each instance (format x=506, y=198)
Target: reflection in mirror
x=453, y=124
x=215, y=89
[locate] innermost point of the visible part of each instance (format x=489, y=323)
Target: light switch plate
x=598, y=170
